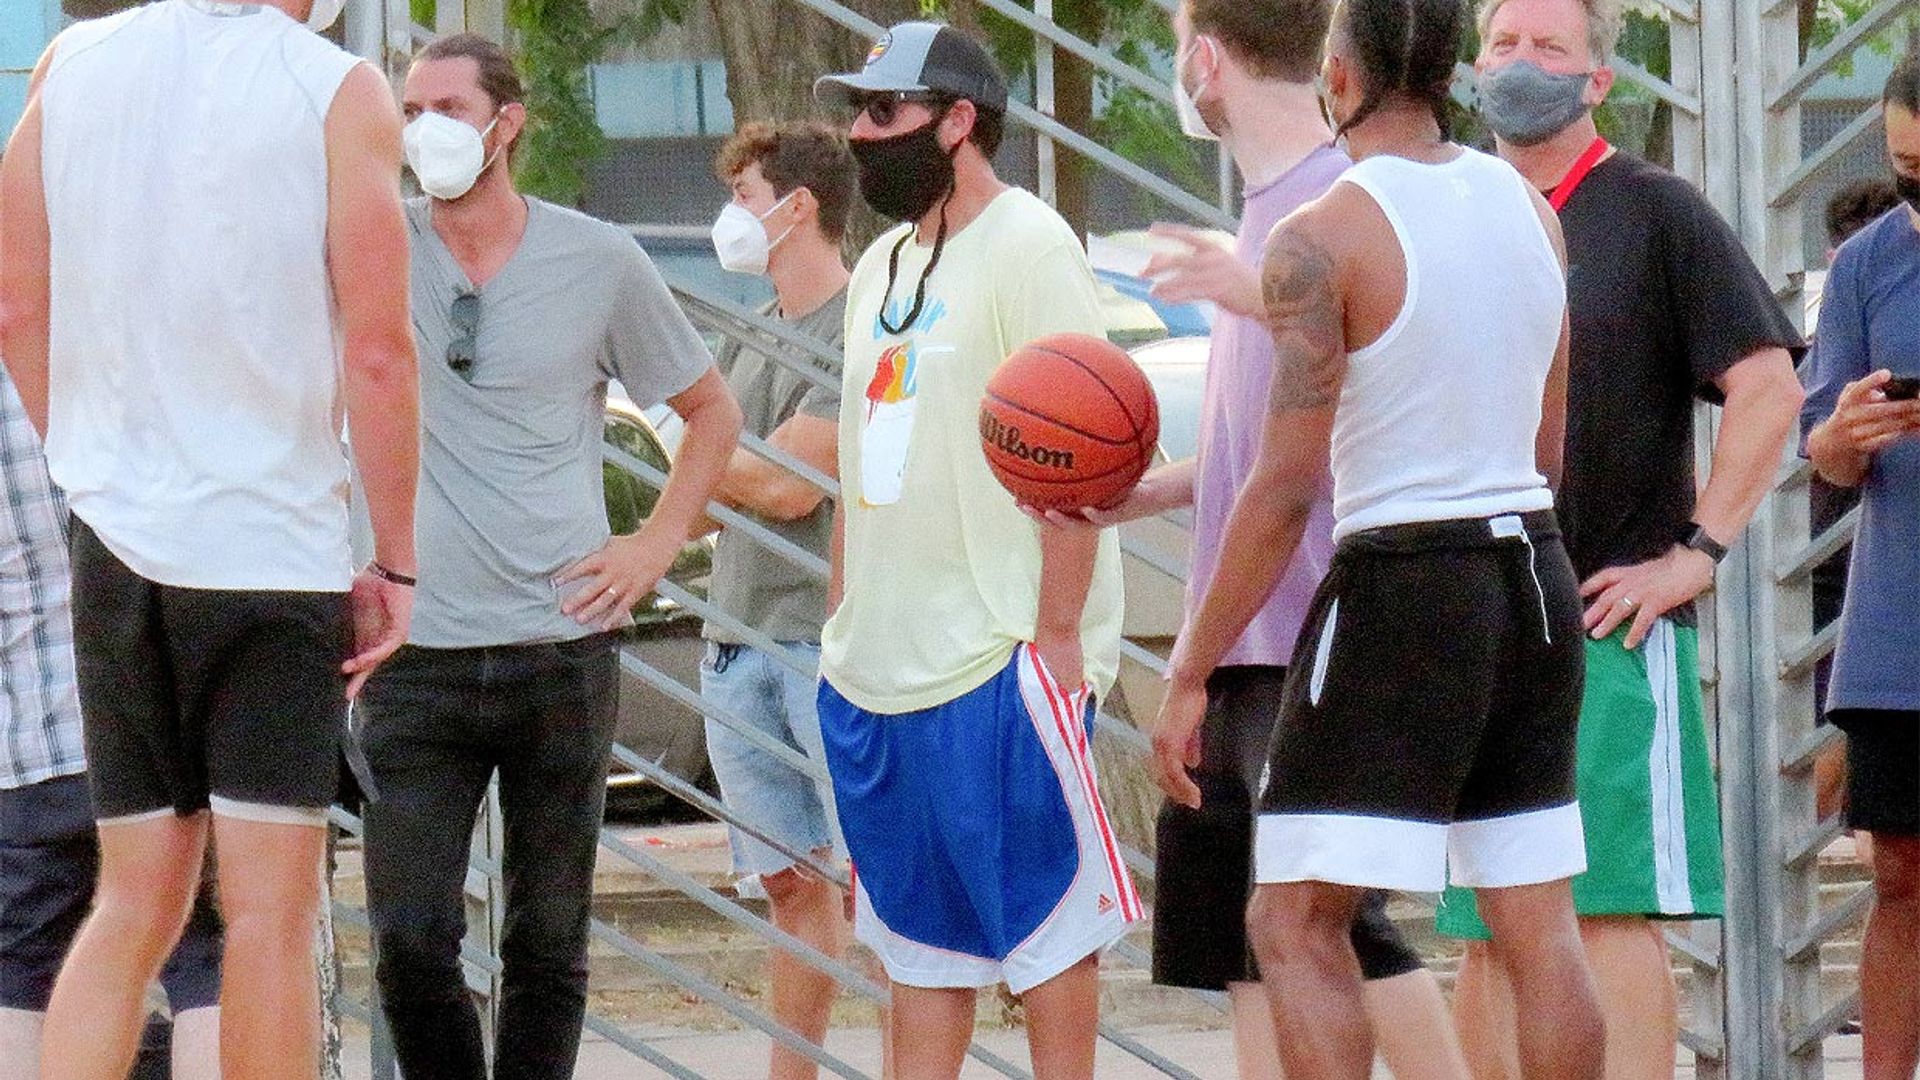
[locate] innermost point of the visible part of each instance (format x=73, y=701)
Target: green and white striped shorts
x=1648, y=799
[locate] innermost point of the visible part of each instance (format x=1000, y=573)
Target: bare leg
x=1890, y=962
x=1562, y=1034
x=1063, y=1022
x=1412, y=1028
x=1628, y=956
x=1483, y=1010
x=1302, y=934
x=1256, y=1050
x=1830, y=781
x=20, y=1044
x=269, y=998
x=809, y=909
x=196, y=1044
x=930, y=1030
x=149, y=872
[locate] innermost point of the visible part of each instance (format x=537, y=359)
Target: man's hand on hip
x=617, y=577
x=1643, y=592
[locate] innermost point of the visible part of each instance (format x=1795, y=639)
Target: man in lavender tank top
x=1244, y=76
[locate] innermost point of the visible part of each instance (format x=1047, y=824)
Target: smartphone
x=1902, y=388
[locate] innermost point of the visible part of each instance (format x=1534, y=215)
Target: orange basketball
x=1069, y=421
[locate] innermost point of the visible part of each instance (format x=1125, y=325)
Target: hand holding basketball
x=1069, y=421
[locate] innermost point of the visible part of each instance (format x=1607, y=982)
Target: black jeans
x=436, y=724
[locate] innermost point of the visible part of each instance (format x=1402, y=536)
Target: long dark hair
x=1406, y=48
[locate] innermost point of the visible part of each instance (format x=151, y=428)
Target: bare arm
x=711, y=439
x=1066, y=574
x=1763, y=397
x=25, y=257
x=368, y=264
x=1550, y=444
x=628, y=567
x=1307, y=314
x=772, y=491
x=1271, y=511
x=1762, y=407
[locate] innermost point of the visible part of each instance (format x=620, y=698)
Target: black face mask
x=1908, y=188
x=903, y=176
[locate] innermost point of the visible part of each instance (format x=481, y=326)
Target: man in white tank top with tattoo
x=1429, y=715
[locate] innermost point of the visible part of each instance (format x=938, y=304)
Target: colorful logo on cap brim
x=879, y=49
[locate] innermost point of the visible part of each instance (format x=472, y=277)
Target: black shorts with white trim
x=1430, y=713
x=194, y=698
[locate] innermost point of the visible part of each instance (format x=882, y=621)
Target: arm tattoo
x=1309, y=330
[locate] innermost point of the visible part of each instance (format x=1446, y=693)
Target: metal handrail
x=1034, y=120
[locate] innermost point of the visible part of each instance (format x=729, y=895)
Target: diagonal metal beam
x=1100, y=58
x=1825, y=58
x=1659, y=87
x=1144, y=179
x=688, y=979
x=1791, y=189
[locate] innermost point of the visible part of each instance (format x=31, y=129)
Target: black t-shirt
x=1663, y=301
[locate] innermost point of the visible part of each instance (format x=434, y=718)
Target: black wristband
x=394, y=576
x=1692, y=535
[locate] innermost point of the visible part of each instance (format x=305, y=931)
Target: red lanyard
x=1582, y=165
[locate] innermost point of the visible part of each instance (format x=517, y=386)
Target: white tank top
x=1437, y=419
x=195, y=417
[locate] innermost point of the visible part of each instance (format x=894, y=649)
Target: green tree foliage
x=558, y=42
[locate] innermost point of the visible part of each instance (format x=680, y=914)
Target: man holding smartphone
x=523, y=312
x=1861, y=418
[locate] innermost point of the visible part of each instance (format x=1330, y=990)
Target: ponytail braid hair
x=1406, y=48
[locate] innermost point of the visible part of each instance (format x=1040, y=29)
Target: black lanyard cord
x=920, y=291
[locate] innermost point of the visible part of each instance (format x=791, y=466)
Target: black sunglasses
x=465, y=317
x=883, y=106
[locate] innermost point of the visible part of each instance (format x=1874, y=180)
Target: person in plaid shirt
x=48, y=853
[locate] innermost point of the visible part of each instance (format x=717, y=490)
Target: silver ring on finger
x=1629, y=603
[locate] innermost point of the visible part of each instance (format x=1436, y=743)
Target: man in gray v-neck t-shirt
x=510, y=476
x=523, y=312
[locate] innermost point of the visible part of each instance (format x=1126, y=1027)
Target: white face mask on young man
x=446, y=155
x=740, y=237
x=1192, y=124
x=323, y=13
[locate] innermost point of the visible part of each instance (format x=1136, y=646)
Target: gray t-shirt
x=510, y=467
x=764, y=589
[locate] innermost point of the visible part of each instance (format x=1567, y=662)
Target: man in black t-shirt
x=1666, y=309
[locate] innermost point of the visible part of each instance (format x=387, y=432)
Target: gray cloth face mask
x=1526, y=105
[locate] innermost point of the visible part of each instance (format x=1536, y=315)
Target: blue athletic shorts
x=981, y=851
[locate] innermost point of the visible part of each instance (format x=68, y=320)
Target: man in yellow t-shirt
x=966, y=642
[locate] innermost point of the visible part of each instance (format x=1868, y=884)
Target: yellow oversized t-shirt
x=942, y=572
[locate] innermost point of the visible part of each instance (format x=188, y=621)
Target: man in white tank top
x=1429, y=715
x=205, y=270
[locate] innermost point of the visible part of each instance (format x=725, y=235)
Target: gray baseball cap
x=921, y=57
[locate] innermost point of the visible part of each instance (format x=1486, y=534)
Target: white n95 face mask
x=323, y=13
x=740, y=237
x=1192, y=124
x=446, y=155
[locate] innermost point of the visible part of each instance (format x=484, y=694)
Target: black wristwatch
x=1697, y=538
